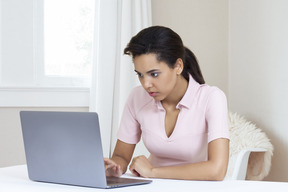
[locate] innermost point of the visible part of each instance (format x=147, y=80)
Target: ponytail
x=191, y=66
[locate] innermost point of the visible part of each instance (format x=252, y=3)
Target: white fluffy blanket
x=245, y=135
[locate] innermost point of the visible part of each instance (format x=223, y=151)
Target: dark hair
x=168, y=47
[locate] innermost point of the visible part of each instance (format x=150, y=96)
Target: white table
x=15, y=179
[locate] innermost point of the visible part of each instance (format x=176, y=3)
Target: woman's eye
x=139, y=74
x=154, y=74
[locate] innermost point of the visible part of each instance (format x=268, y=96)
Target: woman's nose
x=147, y=83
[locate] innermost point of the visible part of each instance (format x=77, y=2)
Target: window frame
x=44, y=97
x=29, y=90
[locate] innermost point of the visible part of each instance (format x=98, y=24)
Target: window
x=41, y=64
x=63, y=42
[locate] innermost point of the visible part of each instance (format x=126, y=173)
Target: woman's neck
x=177, y=94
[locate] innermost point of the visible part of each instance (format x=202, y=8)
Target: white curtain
x=113, y=74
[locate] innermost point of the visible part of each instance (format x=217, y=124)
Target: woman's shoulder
x=208, y=89
x=202, y=91
x=208, y=92
x=215, y=98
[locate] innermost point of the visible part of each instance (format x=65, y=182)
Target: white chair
x=241, y=164
x=250, y=150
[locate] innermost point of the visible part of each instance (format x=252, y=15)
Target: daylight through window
x=68, y=37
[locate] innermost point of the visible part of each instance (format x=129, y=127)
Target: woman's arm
x=212, y=169
x=121, y=157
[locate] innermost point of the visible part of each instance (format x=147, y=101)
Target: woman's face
x=157, y=78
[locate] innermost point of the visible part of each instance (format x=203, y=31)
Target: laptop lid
x=65, y=148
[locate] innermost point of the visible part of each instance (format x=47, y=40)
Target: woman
x=182, y=121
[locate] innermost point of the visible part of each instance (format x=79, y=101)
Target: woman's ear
x=179, y=66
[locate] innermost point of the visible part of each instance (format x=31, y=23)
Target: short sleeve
x=129, y=130
x=217, y=115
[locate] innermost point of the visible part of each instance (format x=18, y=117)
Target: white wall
x=258, y=71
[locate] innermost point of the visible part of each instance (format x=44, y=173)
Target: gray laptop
x=65, y=148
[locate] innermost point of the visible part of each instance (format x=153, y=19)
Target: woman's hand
x=111, y=168
x=141, y=166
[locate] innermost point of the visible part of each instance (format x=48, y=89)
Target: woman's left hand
x=141, y=166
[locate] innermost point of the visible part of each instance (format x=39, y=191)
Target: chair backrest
x=248, y=144
x=241, y=164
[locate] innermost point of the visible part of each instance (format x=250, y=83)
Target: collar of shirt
x=188, y=97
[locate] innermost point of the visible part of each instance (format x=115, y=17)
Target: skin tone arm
x=121, y=157
x=213, y=169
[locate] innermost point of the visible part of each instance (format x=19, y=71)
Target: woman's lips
x=152, y=94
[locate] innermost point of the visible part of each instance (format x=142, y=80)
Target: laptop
x=65, y=148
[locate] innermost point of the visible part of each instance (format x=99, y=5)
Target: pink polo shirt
x=202, y=118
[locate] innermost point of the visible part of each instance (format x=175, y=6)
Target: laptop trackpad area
x=120, y=181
